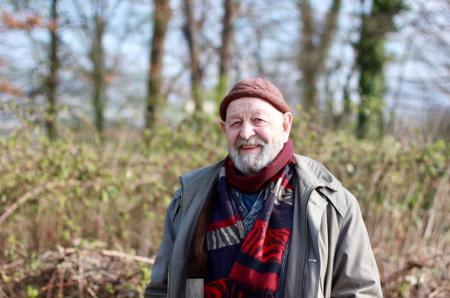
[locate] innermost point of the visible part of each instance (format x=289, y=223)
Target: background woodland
x=104, y=103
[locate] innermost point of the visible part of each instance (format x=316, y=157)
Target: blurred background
x=104, y=103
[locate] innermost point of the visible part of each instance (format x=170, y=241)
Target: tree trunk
x=52, y=79
x=347, y=110
x=313, y=54
x=370, y=62
x=306, y=63
x=191, y=34
x=161, y=17
x=230, y=11
x=97, y=57
x=343, y=118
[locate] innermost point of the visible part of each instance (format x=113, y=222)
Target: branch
x=115, y=254
x=328, y=33
x=308, y=25
x=33, y=194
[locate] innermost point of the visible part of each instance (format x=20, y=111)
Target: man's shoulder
x=199, y=174
x=315, y=173
x=325, y=183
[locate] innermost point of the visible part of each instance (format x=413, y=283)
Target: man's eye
x=259, y=120
x=235, y=123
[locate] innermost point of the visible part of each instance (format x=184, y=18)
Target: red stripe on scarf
x=254, y=240
x=265, y=244
x=223, y=223
x=253, y=278
x=276, y=242
x=217, y=288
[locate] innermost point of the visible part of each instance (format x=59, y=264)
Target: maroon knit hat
x=254, y=87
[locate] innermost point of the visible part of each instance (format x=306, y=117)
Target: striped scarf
x=240, y=265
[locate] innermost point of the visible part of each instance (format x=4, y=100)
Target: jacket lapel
x=195, y=187
x=308, y=209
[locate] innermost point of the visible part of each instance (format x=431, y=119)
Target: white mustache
x=253, y=141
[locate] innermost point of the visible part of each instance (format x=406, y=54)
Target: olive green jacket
x=329, y=254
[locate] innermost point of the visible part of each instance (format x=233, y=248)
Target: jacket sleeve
x=355, y=271
x=160, y=269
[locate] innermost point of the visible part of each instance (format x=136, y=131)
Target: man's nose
x=247, y=131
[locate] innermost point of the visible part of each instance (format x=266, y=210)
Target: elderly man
x=264, y=222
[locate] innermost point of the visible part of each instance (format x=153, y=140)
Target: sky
x=408, y=78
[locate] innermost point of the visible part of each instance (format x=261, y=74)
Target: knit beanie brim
x=254, y=87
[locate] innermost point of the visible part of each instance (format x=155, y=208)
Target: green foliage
x=74, y=193
x=32, y=292
x=391, y=7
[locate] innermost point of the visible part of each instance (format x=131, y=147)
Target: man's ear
x=287, y=124
x=222, y=125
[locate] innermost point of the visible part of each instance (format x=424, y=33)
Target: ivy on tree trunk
x=371, y=58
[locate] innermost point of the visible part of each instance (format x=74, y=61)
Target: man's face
x=256, y=132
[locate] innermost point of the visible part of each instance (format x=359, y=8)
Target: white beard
x=251, y=163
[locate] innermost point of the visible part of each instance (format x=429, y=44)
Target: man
x=264, y=222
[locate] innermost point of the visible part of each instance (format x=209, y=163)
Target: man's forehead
x=250, y=105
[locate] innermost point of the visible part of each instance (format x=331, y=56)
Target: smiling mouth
x=247, y=148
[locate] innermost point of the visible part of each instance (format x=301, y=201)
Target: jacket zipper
x=168, y=277
x=305, y=233
x=171, y=254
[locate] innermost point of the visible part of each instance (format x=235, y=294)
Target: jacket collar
x=314, y=174
x=311, y=174
x=196, y=183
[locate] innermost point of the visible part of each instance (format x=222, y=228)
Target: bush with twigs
x=82, y=218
